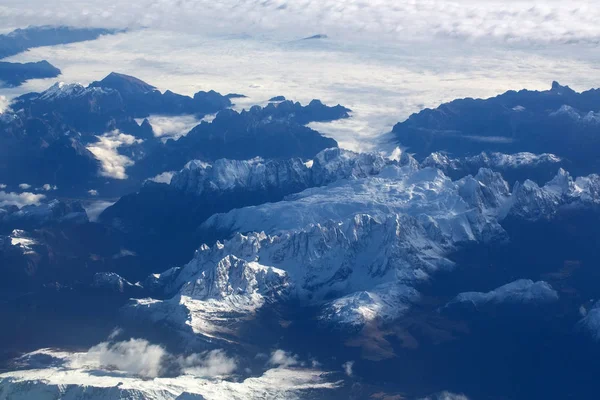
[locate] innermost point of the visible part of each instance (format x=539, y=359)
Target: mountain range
x=253, y=258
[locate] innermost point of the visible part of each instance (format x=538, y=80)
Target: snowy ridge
x=523, y=291
x=228, y=175
x=55, y=211
x=365, y=242
x=110, y=281
x=530, y=201
x=229, y=287
x=61, y=90
x=588, y=118
x=426, y=194
x=499, y=161
x=291, y=175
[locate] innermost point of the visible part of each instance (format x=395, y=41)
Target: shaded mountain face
x=114, y=102
x=142, y=99
x=521, y=166
x=558, y=121
x=14, y=74
x=20, y=40
x=275, y=132
x=82, y=138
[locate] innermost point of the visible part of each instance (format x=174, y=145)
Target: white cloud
x=2, y=186
x=136, y=357
x=93, y=192
x=48, y=187
x=4, y=102
x=106, y=151
x=24, y=186
x=513, y=21
x=347, y=366
x=172, y=126
x=115, y=333
x=96, y=208
x=213, y=363
x=165, y=177
x=281, y=358
x=20, y=199
x=446, y=396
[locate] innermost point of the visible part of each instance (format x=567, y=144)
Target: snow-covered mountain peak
x=562, y=183
x=235, y=279
x=285, y=176
x=487, y=190
x=223, y=175
x=531, y=201
x=61, y=90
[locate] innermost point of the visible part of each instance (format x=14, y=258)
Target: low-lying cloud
x=165, y=177
x=172, y=127
x=138, y=357
x=209, y=364
x=96, y=208
x=446, y=396
x=281, y=358
x=106, y=150
x=20, y=199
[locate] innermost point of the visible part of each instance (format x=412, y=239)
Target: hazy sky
x=383, y=59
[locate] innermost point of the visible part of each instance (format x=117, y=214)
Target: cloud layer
x=538, y=21
x=383, y=59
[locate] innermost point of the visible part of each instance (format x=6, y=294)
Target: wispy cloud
x=164, y=177
x=209, y=364
x=96, y=208
x=172, y=126
x=106, y=150
x=281, y=358
x=138, y=357
x=446, y=396
x=20, y=199
x=347, y=366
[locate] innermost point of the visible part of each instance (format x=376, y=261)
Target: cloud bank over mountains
x=549, y=21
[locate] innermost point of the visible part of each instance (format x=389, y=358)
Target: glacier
x=356, y=243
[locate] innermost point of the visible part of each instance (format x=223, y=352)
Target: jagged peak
x=563, y=181
x=560, y=89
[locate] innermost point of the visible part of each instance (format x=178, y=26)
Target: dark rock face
x=14, y=74
x=30, y=217
x=559, y=121
x=271, y=132
x=20, y=40
x=141, y=99
x=45, y=137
